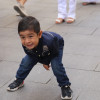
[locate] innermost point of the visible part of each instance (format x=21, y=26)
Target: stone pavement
x=81, y=53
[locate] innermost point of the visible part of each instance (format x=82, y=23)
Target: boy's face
x=30, y=39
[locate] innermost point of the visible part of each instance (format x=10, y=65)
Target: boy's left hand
x=46, y=67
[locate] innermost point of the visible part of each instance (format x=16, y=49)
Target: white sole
x=66, y=98
x=12, y=90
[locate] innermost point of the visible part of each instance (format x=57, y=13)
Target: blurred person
x=63, y=15
x=20, y=9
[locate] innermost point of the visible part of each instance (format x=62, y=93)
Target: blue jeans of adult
x=56, y=63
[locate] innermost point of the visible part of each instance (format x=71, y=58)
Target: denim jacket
x=47, y=49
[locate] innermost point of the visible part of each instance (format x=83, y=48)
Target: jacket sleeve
x=57, y=44
x=46, y=61
x=55, y=47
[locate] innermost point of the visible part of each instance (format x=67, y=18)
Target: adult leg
x=62, y=12
x=22, y=2
x=62, y=6
x=72, y=9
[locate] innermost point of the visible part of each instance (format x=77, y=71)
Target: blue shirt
x=48, y=47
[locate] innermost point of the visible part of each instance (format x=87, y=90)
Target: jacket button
x=48, y=53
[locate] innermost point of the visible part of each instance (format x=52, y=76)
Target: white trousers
x=62, y=9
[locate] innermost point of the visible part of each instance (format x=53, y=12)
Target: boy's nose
x=27, y=40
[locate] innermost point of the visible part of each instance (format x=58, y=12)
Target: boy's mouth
x=29, y=45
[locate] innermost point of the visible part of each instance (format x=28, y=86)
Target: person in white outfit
x=19, y=8
x=70, y=16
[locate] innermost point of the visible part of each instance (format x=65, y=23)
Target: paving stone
x=35, y=91
x=7, y=71
x=40, y=75
x=98, y=67
x=83, y=12
x=89, y=95
x=10, y=45
x=40, y=12
x=8, y=32
x=82, y=45
x=69, y=29
x=97, y=32
x=32, y=91
x=91, y=20
x=8, y=20
x=12, y=54
x=80, y=61
x=46, y=23
x=81, y=79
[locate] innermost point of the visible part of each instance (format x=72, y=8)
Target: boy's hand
x=46, y=67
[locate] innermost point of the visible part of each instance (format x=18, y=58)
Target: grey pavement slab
x=81, y=79
x=36, y=91
x=97, y=32
x=98, y=67
x=32, y=91
x=47, y=23
x=82, y=44
x=36, y=8
x=89, y=95
x=40, y=75
x=92, y=20
x=72, y=29
x=10, y=54
x=11, y=48
x=80, y=61
x=8, y=20
x=7, y=71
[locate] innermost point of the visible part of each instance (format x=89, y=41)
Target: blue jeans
x=56, y=63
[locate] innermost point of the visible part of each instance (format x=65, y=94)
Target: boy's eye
x=31, y=36
x=22, y=37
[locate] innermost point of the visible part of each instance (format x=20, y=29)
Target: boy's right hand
x=46, y=67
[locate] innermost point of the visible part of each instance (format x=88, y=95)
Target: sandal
x=59, y=20
x=87, y=3
x=70, y=20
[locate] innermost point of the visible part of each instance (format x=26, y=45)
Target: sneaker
x=21, y=10
x=66, y=93
x=15, y=85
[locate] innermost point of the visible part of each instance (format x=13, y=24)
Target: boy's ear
x=40, y=33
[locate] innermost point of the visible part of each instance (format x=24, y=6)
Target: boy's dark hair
x=29, y=23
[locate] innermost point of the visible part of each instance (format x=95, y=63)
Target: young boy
x=42, y=47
